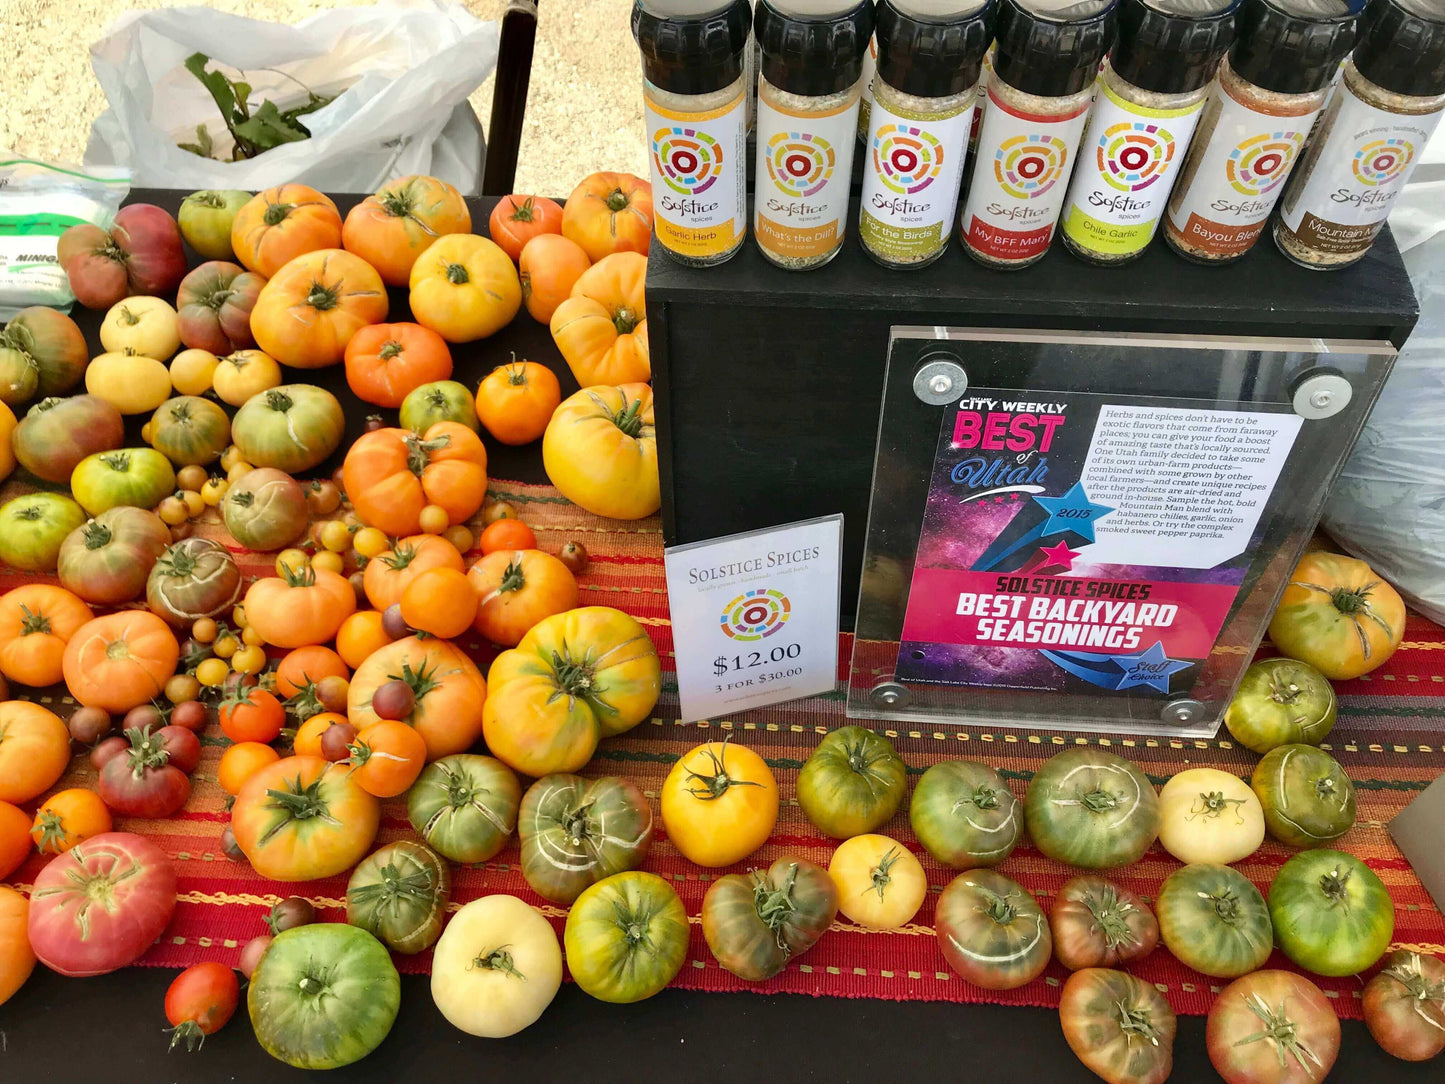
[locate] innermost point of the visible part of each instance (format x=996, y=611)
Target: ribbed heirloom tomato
x=515, y=589
x=1339, y=616
x=719, y=804
x=516, y=220
x=387, y=362
x=302, y=818
x=387, y=575
x=448, y=689
x=549, y=266
x=515, y=401
x=119, y=661
x=600, y=451
x=305, y=606
x=391, y=228
x=309, y=310
x=609, y=212
x=601, y=329
x=392, y=474
x=36, y=622
x=281, y=223
x=464, y=288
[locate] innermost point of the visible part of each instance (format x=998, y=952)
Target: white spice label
x=1353, y=174
x=1019, y=179
x=911, y=176
x=805, y=161
x=698, y=177
x=1128, y=161
x=1226, y=203
x=865, y=97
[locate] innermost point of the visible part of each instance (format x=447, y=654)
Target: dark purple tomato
x=88, y=725
x=393, y=700
x=336, y=739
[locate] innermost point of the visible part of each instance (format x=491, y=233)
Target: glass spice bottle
x=1372, y=135
x=695, y=97
x=865, y=94
x=1151, y=92
x=1046, y=59
x=929, y=55
x=1270, y=87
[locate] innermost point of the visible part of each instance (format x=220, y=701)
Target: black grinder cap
x=813, y=47
x=1292, y=46
x=1052, y=48
x=932, y=48
x=1172, y=46
x=1402, y=46
x=692, y=46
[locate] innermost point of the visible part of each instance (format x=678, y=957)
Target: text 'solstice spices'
x=808, y=85
x=1150, y=94
x=1046, y=59
x=929, y=55
x=1270, y=87
x=695, y=92
x=1372, y=135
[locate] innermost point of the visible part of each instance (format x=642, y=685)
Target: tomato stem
x=1098, y=800
x=321, y=297
x=1109, y=913
x=147, y=751
x=625, y=320
x=299, y=804
x=52, y=831
x=419, y=452
x=1134, y=1022
x=775, y=905
x=499, y=959
x=276, y=213
x=880, y=875
x=629, y=420
x=713, y=787
x=983, y=797
x=1212, y=804
x=617, y=200
x=1336, y=887
x=1280, y=1030
x=512, y=578
x=457, y=274
x=525, y=213
x=33, y=622
x=389, y=349
x=998, y=907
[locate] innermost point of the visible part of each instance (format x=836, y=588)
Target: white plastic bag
x=398, y=70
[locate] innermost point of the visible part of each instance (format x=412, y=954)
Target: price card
x=755, y=616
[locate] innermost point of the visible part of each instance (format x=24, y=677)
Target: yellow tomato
x=193, y=371
x=332, y=562
x=212, y=672
x=370, y=542
x=249, y=660
x=214, y=491
x=132, y=383
x=241, y=375
x=880, y=883
x=238, y=470
x=464, y=288
x=719, y=804
x=600, y=451
x=7, y=451
x=141, y=325
x=291, y=561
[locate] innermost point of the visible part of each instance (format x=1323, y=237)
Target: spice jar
x=865, y=93
x=929, y=55
x=1045, y=61
x=1271, y=84
x=1150, y=95
x=695, y=96
x=808, y=85
x=1369, y=140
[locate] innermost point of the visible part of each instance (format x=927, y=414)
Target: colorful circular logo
x=1132, y=155
x=689, y=161
x=756, y=615
x=800, y=163
x=1259, y=163
x=1382, y=160
x=906, y=159
x=1027, y=166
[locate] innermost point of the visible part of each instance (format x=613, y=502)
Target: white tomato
x=496, y=968
x=142, y=325
x=1206, y=815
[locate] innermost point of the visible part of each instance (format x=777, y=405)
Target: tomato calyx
x=996, y=907
x=305, y=703
x=512, y=578
x=299, y=804
x=51, y=826
x=1212, y=805
x=880, y=874
x=516, y=372
x=1226, y=905
x=499, y=959
x=34, y=622
x=983, y=797
x=189, y=1032
x=321, y=297
x=398, y=203
x=858, y=757
x=775, y=905
x=1281, y=1031
x=1424, y=994
x=1336, y=888
x=147, y=751
x=457, y=274
x=617, y=200
x=419, y=452
x=28, y=512
x=709, y=788
x=527, y=212
x=304, y=576
x=624, y=319
x=276, y=213
x=1097, y=800
x=279, y=401
x=389, y=349
x=1109, y=913
x=629, y=419
x=116, y=461
x=399, y=558
x=394, y=888
x=576, y=678
x=1136, y=1022
x=128, y=318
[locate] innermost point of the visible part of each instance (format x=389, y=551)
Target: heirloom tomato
x=132, y=383
x=108, y=560
x=992, y=931
x=393, y=227
x=206, y=217
x=439, y=401
x=441, y=602
x=388, y=573
x=140, y=254
x=188, y=429
x=387, y=362
x=755, y=923
x=601, y=329
x=449, y=693
x=965, y=815
x=516, y=220
x=399, y=895
x=1091, y=809
x=515, y=401
x=880, y=884
x=69, y=817
x=719, y=803
x=99, y=906
x=574, y=678
x=516, y=589
x=1119, y=1026
x=1281, y=702
x=1308, y=799
x=1272, y=1027
x=852, y=783
x=243, y=760
x=36, y=622
x=1098, y=924
x=34, y=527
x=496, y=968
x=575, y=832
x=304, y=668
x=360, y=636
x=141, y=781
x=243, y=374
x=465, y=806
x=291, y=428
x=200, y=1002
x=141, y=325
x=34, y=750
x=16, y=830
x=265, y=509
x=549, y=267
x=56, y=434
x=1214, y=920
x=390, y=475
x=195, y=579
x=1332, y=915
x=506, y=534
x=1404, y=1006
x=387, y=757
x=600, y=451
x=303, y=607
x=323, y=996
x=193, y=372
x=121, y=660
x=626, y=937
x=130, y=476
x=1337, y=615
x=17, y=958
x=42, y=352
x=309, y=309
x=464, y=288
x=609, y=212
x=303, y=818
x=251, y=715
x=279, y=224
x=1206, y=815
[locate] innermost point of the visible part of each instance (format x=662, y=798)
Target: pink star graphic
x=1059, y=555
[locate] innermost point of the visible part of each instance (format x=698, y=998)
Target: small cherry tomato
x=214, y=491
x=498, y=510
x=229, y=847
x=173, y=511
x=323, y=497
x=226, y=645
x=251, y=637
x=251, y=659
x=251, y=954
x=330, y=560
x=89, y=725
x=574, y=556
x=107, y=749
x=238, y=470
x=200, y=1001
x=434, y=519
x=182, y=687
x=191, y=714
x=291, y=562
x=331, y=692
x=507, y=534
x=291, y=912
x=212, y=672
x=195, y=504
x=143, y=716
x=370, y=542
x=460, y=537
x=205, y=630
x=393, y=623
x=251, y=715
x=336, y=741
x=182, y=747
x=230, y=457
x=393, y=700
x=191, y=477
x=238, y=616
x=335, y=536
x=181, y=531
x=307, y=742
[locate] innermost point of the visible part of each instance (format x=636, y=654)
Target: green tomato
x=992, y=931
x=1214, y=920
x=965, y=815
x=1331, y=914
x=756, y=923
x=853, y=783
x=323, y=996
x=439, y=401
x=205, y=220
x=465, y=806
x=1308, y=799
x=1281, y=702
x=576, y=831
x=34, y=527
x=399, y=895
x=188, y=429
x=1092, y=809
x=292, y=428
x=626, y=937
x=140, y=477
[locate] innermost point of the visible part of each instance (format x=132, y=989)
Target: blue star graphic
x=1072, y=512
x=1151, y=667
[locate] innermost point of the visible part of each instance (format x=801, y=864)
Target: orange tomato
x=515, y=401
x=390, y=475
x=67, y=818
x=36, y=622
x=15, y=841
x=306, y=666
x=360, y=635
x=601, y=329
x=251, y=715
x=387, y=757
x=464, y=288
x=308, y=311
x=549, y=267
x=507, y=534
x=281, y=223
x=609, y=212
x=305, y=607
x=449, y=689
x=17, y=959
x=386, y=362
x=441, y=602
x=243, y=760
x=121, y=660
x=34, y=750
x=516, y=589
x=515, y=220
x=308, y=735
x=390, y=229
x=386, y=576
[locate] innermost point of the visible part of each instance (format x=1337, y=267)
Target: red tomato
x=200, y=1001
x=507, y=534
x=141, y=781
x=182, y=746
x=252, y=715
x=517, y=219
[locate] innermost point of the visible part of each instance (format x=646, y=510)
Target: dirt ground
x=584, y=109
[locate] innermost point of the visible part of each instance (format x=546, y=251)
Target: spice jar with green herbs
x=808, y=85
x=1372, y=135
